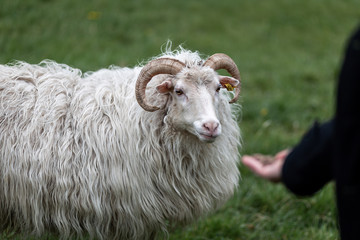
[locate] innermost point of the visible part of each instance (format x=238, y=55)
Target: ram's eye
x=218, y=88
x=179, y=92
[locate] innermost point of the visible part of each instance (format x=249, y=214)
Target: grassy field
x=288, y=52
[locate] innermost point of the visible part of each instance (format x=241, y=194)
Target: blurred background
x=289, y=54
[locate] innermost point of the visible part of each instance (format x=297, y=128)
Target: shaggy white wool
x=79, y=156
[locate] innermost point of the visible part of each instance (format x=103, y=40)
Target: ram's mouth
x=207, y=138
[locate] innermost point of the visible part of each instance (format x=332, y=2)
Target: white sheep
x=80, y=156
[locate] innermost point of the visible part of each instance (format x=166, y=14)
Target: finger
x=270, y=172
x=253, y=164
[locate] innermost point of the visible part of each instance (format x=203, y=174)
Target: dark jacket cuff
x=309, y=165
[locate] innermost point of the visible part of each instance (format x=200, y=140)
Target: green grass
x=288, y=52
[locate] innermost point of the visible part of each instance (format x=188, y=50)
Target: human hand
x=267, y=167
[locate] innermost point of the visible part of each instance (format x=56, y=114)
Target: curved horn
x=223, y=61
x=154, y=67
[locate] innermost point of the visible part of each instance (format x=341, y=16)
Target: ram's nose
x=209, y=130
x=211, y=127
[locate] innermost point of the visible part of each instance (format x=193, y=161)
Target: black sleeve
x=347, y=142
x=309, y=165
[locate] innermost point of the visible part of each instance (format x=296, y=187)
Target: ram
x=120, y=153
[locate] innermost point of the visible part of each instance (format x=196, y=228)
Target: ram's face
x=193, y=92
x=194, y=95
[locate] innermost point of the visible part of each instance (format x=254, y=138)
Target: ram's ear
x=164, y=87
x=229, y=82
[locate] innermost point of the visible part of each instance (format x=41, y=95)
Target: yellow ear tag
x=229, y=87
